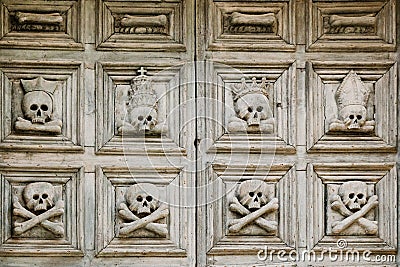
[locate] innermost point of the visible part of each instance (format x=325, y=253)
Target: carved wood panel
x=198, y=133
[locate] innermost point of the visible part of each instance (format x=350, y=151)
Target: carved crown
x=352, y=91
x=39, y=84
x=243, y=88
x=142, y=93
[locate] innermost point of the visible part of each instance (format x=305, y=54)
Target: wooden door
x=198, y=133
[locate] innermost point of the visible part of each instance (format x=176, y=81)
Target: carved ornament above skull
x=142, y=109
x=352, y=98
x=251, y=104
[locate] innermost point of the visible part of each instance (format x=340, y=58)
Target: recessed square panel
x=347, y=106
x=251, y=109
x=249, y=207
x=251, y=26
x=42, y=107
x=138, y=108
x=41, y=25
x=353, y=202
x=351, y=25
x=139, y=212
x=41, y=211
x=141, y=26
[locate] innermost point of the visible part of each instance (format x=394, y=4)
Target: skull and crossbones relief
x=38, y=107
x=353, y=204
x=142, y=210
x=141, y=109
x=253, y=112
x=352, y=98
x=42, y=209
x=253, y=201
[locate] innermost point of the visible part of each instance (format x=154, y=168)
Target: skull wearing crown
x=252, y=108
x=142, y=109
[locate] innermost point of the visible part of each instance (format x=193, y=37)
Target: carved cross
x=142, y=71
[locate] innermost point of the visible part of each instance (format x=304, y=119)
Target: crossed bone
x=370, y=227
x=56, y=228
x=147, y=222
x=237, y=224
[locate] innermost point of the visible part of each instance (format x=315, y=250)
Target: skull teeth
x=254, y=121
x=38, y=120
x=354, y=126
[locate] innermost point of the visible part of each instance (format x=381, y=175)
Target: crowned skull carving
x=38, y=107
x=142, y=211
x=142, y=109
x=352, y=98
x=253, y=112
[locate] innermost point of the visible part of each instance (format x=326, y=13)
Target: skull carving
x=143, y=118
x=39, y=196
x=354, y=194
x=253, y=108
x=142, y=198
x=253, y=194
x=354, y=116
x=37, y=106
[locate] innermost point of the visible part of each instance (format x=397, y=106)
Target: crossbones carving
x=35, y=191
x=252, y=204
x=143, y=211
x=354, y=207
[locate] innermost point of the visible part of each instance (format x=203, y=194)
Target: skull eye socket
x=251, y=194
x=359, y=117
x=259, y=194
x=34, y=107
x=259, y=108
x=140, y=118
x=149, y=118
x=139, y=198
x=44, y=107
x=44, y=196
x=250, y=109
x=35, y=196
x=351, y=195
x=149, y=198
x=351, y=117
x=360, y=196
